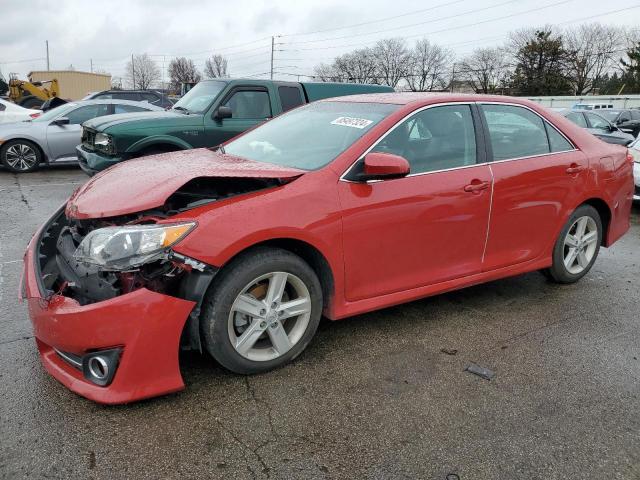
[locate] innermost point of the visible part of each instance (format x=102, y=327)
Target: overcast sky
x=110, y=31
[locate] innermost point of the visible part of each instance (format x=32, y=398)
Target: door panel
x=529, y=199
x=414, y=231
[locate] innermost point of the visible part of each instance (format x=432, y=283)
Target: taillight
x=34, y=115
x=629, y=157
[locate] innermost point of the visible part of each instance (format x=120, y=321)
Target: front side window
x=515, y=132
x=82, y=114
x=436, y=138
x=311, y=136
x=249, y=105
x=596, y=121
x=577, y=118
x=624, y=117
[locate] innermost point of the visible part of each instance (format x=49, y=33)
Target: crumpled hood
x=145, y=183
x=135, y=120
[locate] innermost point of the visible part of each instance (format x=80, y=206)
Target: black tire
x=31, y=102
x=230, y=282
x=25, y=163
x=559, y=272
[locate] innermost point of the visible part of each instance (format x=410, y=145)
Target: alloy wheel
x=269, y=316
x=21, y=157
x=580, y=245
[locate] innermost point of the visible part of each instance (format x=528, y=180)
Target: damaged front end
x=64, y=269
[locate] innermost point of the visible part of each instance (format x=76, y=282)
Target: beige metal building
x=74, y=85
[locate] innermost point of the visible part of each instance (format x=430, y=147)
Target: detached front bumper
x=92, y=162
x=144, y=326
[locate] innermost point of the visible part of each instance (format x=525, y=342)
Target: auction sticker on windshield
x=352, y=122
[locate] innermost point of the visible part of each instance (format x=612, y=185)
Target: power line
x=401, y=27
x=442, y=30
x=415, y=12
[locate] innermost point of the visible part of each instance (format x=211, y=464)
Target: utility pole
x=273, y=42
x=91, y=60
x=47, y=43
x=133, y=73
x=453, y=76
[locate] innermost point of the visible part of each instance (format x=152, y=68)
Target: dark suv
x=153, y=97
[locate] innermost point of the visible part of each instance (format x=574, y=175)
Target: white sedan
x=10, y=112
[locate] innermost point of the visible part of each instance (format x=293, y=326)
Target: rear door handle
x=476, y=186
x=574, y=168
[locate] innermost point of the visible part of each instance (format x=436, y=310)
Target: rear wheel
x=262, y=311
x=20, y=156
x=577, y=247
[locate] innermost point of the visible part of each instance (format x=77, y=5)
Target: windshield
x=198, y=99
x=310, y=137
x=54, y=112
x=610, y=115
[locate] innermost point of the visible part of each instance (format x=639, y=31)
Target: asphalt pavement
x=381, y=395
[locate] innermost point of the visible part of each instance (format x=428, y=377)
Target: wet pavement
x=382, y=395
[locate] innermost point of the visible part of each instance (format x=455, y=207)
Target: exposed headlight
x=102, y=139
x=104, y=143
x=128, y=247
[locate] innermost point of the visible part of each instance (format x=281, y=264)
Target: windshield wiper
x=181, y=109
x=220, y=148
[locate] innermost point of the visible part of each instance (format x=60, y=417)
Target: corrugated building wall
x=74, y=85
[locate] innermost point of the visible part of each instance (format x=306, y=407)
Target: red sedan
x=336, y=208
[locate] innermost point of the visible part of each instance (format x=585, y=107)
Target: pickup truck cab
x=211, y=113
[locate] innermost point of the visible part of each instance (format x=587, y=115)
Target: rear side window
x=290, y=97
x=515, y=132
x=577, y=118
x=149, y=97
x=557, y=142
x=103, y=96
x=128, y=109
x=135, y=96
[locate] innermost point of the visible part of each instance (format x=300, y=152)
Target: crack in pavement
x=20, y=339
x=23, y=198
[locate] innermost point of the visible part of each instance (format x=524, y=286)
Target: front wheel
x=20, y=156
x=262, y=311
x=577, y=247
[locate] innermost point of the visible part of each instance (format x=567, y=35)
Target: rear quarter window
x=290, y=97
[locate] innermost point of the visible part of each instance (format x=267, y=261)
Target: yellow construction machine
x=35, y=94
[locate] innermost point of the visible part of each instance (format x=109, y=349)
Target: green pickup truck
x=211, y=113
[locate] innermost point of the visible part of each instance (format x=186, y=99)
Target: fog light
x=99, y=367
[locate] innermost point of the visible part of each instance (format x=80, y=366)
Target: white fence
x=618, y=101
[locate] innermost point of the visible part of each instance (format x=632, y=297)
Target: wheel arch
x=192, y=334
x=604, y=211
x=160, y=141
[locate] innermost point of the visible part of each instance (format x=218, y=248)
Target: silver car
x=52, y=137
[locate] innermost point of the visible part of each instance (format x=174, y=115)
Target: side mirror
x=60, y=121
x=379, y=165
x=223, y=112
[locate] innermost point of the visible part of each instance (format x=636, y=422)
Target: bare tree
x=327, y=73
x=428, y=64
x=182, y=70
x=142, y=72
x=392, y=59
x=592, y=51
x=358, y=66
x=485, y=69
x=216, y=67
